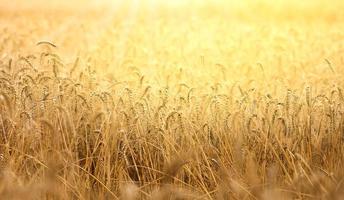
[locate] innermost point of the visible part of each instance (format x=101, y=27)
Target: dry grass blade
x=46, y=43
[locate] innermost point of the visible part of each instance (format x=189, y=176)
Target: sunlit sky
x=194, y=35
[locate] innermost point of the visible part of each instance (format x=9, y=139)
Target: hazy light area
x=204, y=38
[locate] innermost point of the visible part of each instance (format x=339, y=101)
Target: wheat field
x=148, y=99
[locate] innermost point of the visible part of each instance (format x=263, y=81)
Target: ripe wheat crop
x=171, y=99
